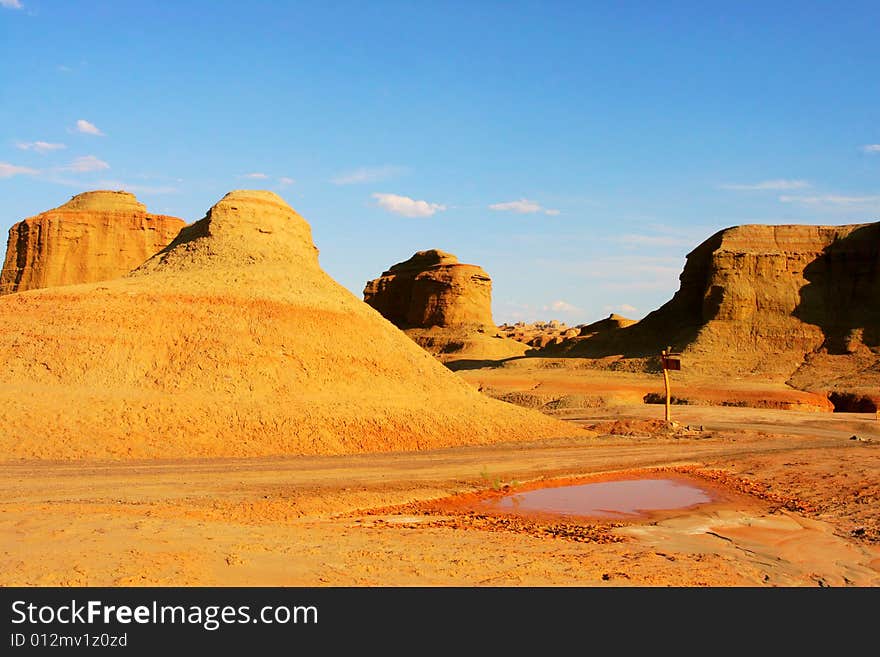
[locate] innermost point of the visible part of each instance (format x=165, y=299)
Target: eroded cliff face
x=431, y=289
x=95, y=236
x=760, y=299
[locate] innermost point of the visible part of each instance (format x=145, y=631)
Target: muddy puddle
x=618, y=499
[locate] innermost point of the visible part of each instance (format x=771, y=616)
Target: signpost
x=671, y=361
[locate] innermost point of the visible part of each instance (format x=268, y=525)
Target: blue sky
x=576, y=150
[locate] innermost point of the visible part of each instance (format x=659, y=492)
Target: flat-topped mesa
x=433, y=289
x=95, y=236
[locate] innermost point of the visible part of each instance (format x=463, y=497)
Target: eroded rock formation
x=95, y=236
x=442, y=304
x=768, y=300
x=543, y=334
x=232, y=341
x=430, y=289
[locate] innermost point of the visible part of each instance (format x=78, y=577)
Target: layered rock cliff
x=760, y=299
x=95, y=236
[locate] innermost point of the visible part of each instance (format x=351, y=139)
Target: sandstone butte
x=443, y=305
x=95, y=236
x=788, y=302
x=232, y=341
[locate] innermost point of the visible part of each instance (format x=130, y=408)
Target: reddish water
x=605, y=499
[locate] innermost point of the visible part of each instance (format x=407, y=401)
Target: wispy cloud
x=771, y=185
x=831, y=199
x=88, y=128
x=561, y=306
x=662, y=235
x=406, y=206
x=623, y=307
x=871, y=148
x=522, y=206
x=617, y=267
x=86, y=164
x=39, y=146
x=636, y=240
x=11, y=4
x=256, y=176
x=368, y=175
x=8, y=170
x=284, y=181
x=138, y=189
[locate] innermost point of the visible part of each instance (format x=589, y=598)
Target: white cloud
x=775, y=185
x=88, y=128
x=255, y=176
x=562, y=307
x=406, y=206
x=284, y=181
x=8, y=170
x=86, y=164
x=522, y=206
x=871, y=148
x=11, y=4
x=830, y=199
x=368, y=175
x=39, y=146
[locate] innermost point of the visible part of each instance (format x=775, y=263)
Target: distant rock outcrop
x=431, y=289
x=442, y=304
x=603, y=326
x=95, y=236
x=539, y=335
x=232, y=341
x=768, y=300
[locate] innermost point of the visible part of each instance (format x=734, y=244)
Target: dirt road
x=802, y=509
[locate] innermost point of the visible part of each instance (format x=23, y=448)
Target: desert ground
x=226, y=413
x=797, y=505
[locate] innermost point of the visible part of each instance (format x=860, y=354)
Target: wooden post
x=666, y=380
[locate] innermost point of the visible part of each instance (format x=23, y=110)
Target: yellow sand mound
x=230, y=342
